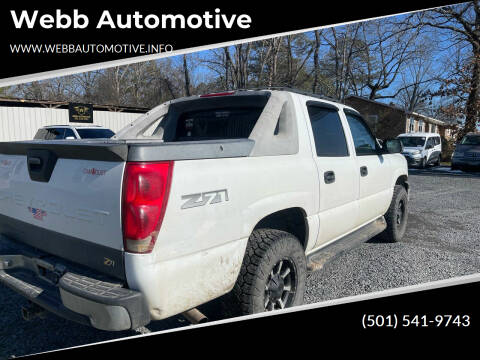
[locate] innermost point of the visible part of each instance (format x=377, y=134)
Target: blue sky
x=443, y=48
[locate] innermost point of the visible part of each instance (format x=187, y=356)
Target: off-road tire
x=265, y=249
x=395, y=231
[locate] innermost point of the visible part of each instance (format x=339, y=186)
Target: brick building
x=388, y=121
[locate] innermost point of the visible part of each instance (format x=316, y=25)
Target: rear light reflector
x=146, y=186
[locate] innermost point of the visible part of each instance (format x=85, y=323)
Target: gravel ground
x=442, y=241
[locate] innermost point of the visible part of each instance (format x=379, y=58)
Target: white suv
x=422, y=149
x=72, y=132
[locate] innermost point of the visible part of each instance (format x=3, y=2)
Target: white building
x=20, y=119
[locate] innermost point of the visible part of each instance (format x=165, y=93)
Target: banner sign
x=80, y=113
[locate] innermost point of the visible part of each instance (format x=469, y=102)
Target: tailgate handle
x=34, y=161
x=41, y=163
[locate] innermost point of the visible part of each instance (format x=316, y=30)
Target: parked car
x=234, y=193
x=467, y=153
x=421, y=149
x=72, y=132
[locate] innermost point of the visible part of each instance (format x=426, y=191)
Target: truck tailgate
x=65, y=197
x=74, y=212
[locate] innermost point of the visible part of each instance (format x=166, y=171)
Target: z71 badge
x=201, y=199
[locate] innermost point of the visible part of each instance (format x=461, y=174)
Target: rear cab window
x=211, y=118
x=212, y=124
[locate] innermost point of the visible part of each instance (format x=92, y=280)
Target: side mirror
x=70, y=138
x=428, y=147
x=392, y=146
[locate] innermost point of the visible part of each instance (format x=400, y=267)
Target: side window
x=41, y=134
x=69, y=133
x=54, y=134
x=365, y=143
x=327, y=131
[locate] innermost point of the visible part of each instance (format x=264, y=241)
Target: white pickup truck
x=239, y=192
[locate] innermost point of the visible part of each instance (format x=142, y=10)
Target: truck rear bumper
x=87, y=300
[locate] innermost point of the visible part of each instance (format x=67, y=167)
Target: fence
x=22, y=123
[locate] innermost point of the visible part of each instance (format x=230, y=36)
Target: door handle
x=329, y=177
x=364, y=171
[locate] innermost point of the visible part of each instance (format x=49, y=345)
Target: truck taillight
x=146, y=186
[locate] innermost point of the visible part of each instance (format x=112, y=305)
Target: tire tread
x=259, y=246
x=390, y=233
